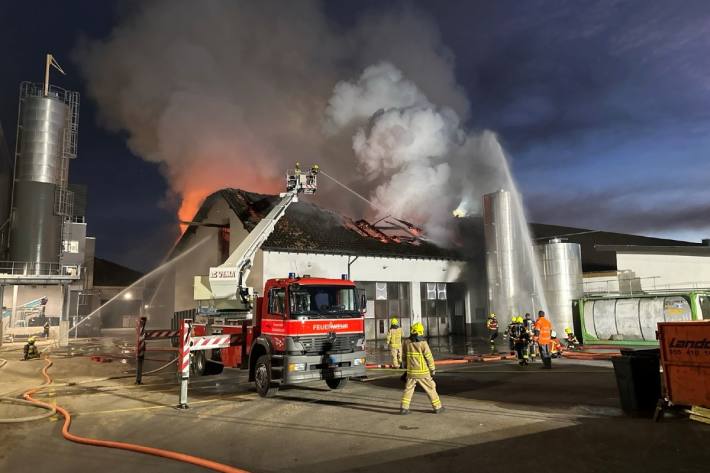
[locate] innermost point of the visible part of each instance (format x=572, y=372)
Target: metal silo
x=561, y=266
x=46, y=141
x=510, y=263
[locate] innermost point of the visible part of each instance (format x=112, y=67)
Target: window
x=381, y=291
x=332, y=301
x=71, y=246
x=441, y=291
x=431, y=291
x=276, y=301
x=704, y=307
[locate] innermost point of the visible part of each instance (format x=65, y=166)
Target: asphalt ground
x=499, y=417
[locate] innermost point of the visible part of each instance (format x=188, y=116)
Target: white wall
x=658, y=271
x=365, y=268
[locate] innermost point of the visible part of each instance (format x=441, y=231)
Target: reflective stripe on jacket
x=418, y=359
x=394, y=337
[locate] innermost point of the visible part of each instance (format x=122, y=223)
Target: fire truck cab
x=307, y=329
x=304, y=329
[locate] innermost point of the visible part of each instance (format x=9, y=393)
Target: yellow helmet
x=492, y=315
x=394, y=321
x=513, y=319
x=568, y=330
x=32, y=339
x=417, y=329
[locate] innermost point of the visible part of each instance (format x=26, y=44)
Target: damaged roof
x=308, y=228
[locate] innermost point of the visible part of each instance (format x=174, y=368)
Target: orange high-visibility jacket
x=544, y=327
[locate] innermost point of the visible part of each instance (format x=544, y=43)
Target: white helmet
x=554, y=334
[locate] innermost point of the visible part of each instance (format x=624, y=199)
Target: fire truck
x=299, y=329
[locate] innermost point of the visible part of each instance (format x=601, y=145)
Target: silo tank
x=44, y=120
x=561, y=265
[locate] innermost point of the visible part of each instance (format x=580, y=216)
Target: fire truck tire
x=199, y=363
x=336, y=383
x=263, y=379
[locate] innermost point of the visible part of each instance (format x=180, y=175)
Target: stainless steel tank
x=561, y=267
x=43, y=121
x=509, y=271
x=36, y=232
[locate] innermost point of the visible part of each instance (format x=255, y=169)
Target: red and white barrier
x=184, y=362
x=211, y=341
x=161, y=334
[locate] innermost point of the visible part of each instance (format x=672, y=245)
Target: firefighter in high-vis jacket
x=492, y=326
x=420, y=368
x=394, y=340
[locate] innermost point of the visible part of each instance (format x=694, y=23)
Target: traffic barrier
x=188, y=344
x=142, y=335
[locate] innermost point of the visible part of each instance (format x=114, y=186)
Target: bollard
x=140, y=348
x=184, y=363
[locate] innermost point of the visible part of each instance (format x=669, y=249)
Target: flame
x=459, y=213
x=208, y=175
x=191, y=202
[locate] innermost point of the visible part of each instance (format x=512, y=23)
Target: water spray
x=127, y=290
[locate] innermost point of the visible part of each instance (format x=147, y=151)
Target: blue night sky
x=603, y=107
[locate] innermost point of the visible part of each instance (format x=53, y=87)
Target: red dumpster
x=685, y=357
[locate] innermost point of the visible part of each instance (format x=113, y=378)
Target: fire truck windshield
x=323, y=301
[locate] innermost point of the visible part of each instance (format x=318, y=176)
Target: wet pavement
x=493, y=410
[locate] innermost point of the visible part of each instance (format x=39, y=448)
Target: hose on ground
x=158, y=452
x=51, y=410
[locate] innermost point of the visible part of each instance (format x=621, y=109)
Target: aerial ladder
x=224, y=290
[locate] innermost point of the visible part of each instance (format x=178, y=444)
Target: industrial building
x=449, y=290
x=400, y=273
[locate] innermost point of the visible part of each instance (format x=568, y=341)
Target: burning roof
x=309, y=228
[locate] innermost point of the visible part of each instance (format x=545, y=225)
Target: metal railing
x=31, y=268
x=626, y=286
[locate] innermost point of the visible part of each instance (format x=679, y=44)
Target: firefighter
x=46, y=329
x=394, y=340
x=420, y=368
x=521, y=339
x=492, y=326
x=571, y=340
x=508, y=334
x=30, y=349
x=529, y=326
x=543, y=332
x=555, y=345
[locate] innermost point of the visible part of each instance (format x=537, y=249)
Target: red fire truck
x=299, y=329
x=304, y=329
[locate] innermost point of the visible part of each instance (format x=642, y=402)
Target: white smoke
x=425, y=164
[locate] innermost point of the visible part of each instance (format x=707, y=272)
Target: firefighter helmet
x=417, y=328
x=492, y=315
x=394, y=321
x=553, y=334
x=568, y=330
x=31, y=340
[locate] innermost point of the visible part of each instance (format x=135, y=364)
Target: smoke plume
x=230, y=94
x=423, y=163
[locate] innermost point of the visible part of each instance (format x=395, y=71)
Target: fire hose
x=158, y=452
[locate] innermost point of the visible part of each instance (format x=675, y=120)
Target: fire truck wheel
x=199, y=363
x=262, y=377
x=336, y=383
